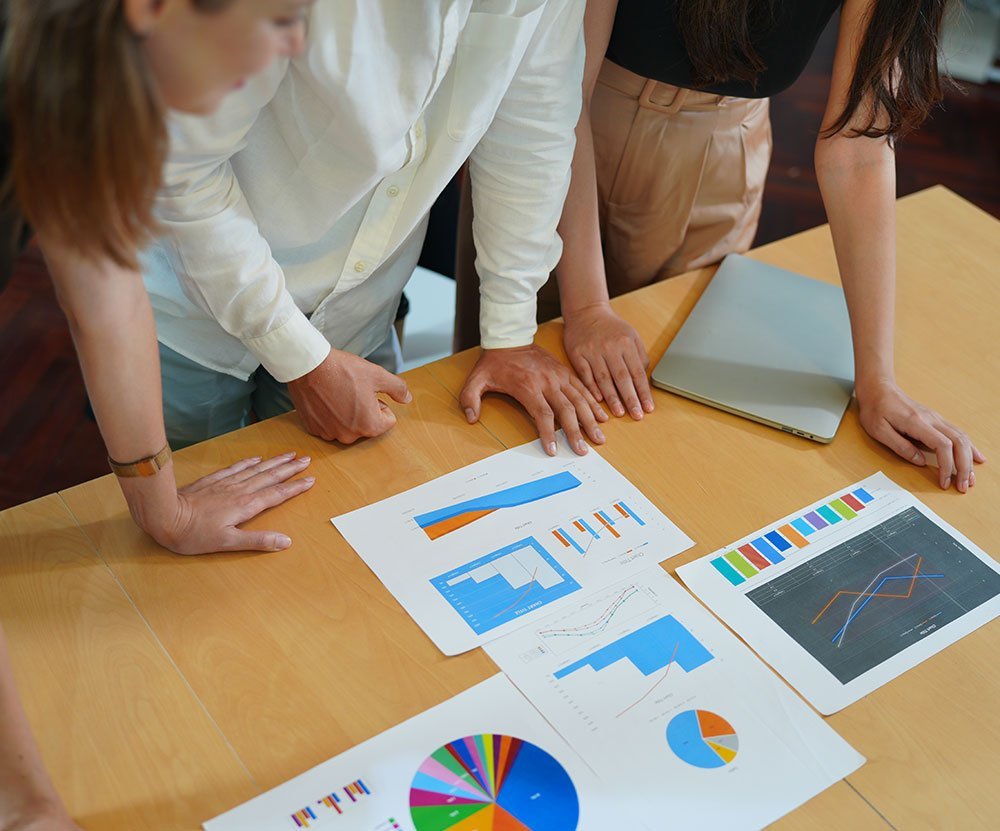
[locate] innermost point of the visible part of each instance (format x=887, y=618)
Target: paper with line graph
x=845, y=595
x=479, y=552
x=668, y=706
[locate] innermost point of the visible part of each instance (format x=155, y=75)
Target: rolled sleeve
x=214, y=245
x=520, y=174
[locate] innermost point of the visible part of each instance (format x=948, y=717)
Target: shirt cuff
x=507, y=325
x=291, y=350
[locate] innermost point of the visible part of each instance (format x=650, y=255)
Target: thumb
x=395, y=387
x=240, y=540
x=471, y=398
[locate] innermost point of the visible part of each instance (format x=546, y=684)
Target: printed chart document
x=668, y=706
x=481, y=551
x=483, y=761
x=845, y=595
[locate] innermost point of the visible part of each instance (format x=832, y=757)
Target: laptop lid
x=767, y=344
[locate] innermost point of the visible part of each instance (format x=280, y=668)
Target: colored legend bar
x=332, y=801
x=567, y=540
x=602, y=518
x=771, y=547
x=624, y=509
x=302, y=817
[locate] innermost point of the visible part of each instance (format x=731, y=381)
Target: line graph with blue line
x=868, y=598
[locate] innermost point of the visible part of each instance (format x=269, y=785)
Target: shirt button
x=392, y=190
x=360, y=266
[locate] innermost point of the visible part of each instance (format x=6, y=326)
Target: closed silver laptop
x=767, y=344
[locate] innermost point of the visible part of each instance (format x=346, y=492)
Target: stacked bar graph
x=443, y=521
x=772, y=547
x=583, y=530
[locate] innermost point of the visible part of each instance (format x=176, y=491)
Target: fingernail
x=972, y=479
x=581, y=447
x=964, y=486
x=304, y=460
x=599, y=433
x=550, y=448
x=409, y=397
x=648, y=406
x=309, y=480
x=918, y=458
x=289, y=455
x=282, y=542
x=619, y=410
x=470, y=415
x=637, y=413
x=947, y=483
x=255, y=458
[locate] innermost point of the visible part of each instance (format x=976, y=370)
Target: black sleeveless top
x=646, y=40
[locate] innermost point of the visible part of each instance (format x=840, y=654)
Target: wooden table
x=165, y=690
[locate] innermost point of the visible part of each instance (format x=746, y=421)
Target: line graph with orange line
x=865, y=596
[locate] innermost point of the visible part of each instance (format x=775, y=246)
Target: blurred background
x=48, y=440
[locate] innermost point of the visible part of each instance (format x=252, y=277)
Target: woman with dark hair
x=86, y=85
x=672, y=152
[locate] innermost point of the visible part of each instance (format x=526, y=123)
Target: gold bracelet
x=149, y=466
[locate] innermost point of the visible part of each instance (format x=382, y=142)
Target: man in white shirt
x=293, y=219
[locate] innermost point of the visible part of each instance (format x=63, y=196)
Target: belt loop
x=646, y=100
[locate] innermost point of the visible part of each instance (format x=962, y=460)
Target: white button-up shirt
x=293, y=217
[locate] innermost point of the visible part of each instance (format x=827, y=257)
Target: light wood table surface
x=166, y=689
x=928, y=735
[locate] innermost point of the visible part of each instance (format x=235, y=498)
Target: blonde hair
x=86, y=124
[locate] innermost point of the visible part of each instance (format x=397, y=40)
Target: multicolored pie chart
x=702, y=739
x=491, y=782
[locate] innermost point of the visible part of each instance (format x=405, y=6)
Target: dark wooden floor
x=47, y=442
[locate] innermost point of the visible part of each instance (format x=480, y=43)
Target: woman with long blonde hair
x=86, y=87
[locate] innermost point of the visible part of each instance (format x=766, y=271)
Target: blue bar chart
x=504, y=584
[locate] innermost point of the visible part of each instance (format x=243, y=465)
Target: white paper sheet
x=870, y=582
x=418, y=777
x=483, y=550
x=666, y=705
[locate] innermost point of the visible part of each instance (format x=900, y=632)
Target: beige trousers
x=680, y=178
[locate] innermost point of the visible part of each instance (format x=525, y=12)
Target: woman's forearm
x=857, y=177
x=580, y=273
x=112, y=324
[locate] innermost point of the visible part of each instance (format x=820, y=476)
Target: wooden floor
x=47, y=441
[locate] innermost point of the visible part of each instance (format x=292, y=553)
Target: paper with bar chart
x=484, y=760
x=481, y=551
x=845, y=595
x=668, y=706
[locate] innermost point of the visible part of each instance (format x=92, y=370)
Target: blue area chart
x=655, y=646
x=505, y=585
x=443, y=521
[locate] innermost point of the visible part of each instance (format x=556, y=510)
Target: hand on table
x=205, y=515
x=551, y=393
x=56, y=820
x=893, y=418
x=609, y=357
x=338, y=400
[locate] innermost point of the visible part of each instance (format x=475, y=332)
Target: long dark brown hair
x=86, y=124
x=897, y=66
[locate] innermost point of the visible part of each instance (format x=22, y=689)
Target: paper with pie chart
x=484, y=760
x=666, y=705
x=481, y=551
x=848, y=593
